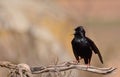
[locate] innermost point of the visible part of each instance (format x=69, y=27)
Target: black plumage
x=83, y=46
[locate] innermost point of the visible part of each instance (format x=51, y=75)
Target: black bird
x=83, y=46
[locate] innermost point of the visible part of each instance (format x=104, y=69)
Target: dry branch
x=68, y=65
x=23, y=70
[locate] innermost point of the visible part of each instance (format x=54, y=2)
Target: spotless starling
x=83, y=46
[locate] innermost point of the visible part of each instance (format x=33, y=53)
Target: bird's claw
x=76, y=62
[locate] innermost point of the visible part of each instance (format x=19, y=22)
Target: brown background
x=37, y=32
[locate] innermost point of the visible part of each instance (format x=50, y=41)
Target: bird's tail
x=100, y=57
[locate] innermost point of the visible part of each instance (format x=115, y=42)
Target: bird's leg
x=88, y=65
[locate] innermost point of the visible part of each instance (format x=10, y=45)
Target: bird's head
x=79, y=31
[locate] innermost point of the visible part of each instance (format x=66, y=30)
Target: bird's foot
x=88, y=65
x=75, y=62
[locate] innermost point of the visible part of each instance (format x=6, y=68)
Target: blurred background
x=39, y=32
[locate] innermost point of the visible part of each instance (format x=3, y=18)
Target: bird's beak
x=73, y=34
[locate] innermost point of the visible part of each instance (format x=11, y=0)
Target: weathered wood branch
x=68, y=65
x=23, y=70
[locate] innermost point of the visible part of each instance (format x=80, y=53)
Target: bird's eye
x=82, y=31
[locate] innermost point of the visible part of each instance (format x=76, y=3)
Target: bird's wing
x=75, y=50
x=95, y=49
